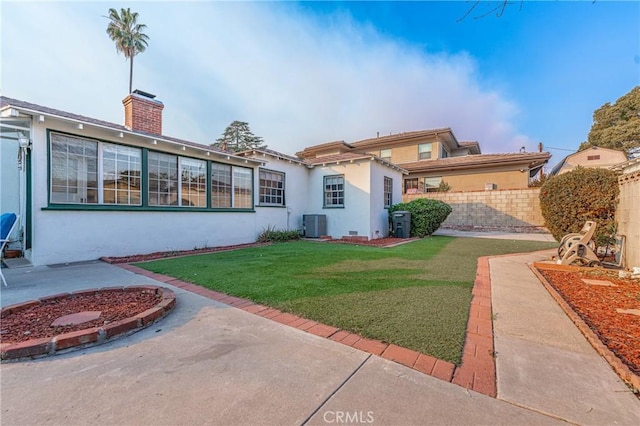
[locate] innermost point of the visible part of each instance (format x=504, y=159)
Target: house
x=356, y=189
x=86, y=188
x=435, y=157
x=596, y=157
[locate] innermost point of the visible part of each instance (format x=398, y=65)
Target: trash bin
x=402, y=224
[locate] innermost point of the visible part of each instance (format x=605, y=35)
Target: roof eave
x=125, y=131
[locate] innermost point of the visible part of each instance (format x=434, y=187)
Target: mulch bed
x=597, y=304
x=35, y=322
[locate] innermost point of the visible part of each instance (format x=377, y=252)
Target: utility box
x=314, y=225
x=402, y=224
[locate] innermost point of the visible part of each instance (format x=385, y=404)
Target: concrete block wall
x=509, y=209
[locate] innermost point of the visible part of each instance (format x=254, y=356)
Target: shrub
x=567, y=201
x=426, y=215
x=270, y=234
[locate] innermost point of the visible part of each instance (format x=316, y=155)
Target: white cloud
x=297, y=79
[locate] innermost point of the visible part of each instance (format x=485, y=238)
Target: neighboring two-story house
x=436, y=159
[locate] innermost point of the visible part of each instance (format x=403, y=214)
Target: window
x=121, y=169
x=193, y=182
x=220, y=185
x=443, y=152
x=424, y=151
x=422, y=185
x=388, y=191
x=411, y=186
x=271, y=188
x=593, y=157
x=163, y=179
x=164, y=187
x=74, y=170
x=242, y=187
x=231, y=186
x=334, y=191
x=431, y=184
x=84, y=171
x=385, y=154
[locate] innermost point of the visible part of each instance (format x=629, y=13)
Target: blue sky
x=303, y=73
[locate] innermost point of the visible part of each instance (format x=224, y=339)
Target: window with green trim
x=231, y=186
x=271, y=188
x=334, y=191
x=86, y=171
x=220, y=185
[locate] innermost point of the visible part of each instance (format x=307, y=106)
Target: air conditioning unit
x=490, y=186
x=315, y=225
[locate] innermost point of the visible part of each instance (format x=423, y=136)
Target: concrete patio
x=208, y=363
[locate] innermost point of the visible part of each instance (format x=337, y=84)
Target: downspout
x=24, y=145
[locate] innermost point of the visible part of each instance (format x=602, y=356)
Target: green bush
x=568, y=200
x=426, y=215
x=270, y=234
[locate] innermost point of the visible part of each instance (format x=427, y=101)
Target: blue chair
x=8, y=222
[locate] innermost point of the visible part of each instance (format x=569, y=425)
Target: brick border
x=90, y=336
x=618, y=366
x=477, y=371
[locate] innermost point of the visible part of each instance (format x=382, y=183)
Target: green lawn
x=416, y=295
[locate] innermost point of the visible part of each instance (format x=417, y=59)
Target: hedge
x=568, y=200
x=426, y=215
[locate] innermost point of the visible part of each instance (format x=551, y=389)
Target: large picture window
x=231, y=186
x=177, y=181
x=74, y=170
x=271, y=188
x=334, y=191
x=85, y=171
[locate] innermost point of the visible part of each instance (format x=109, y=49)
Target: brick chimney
x=143, y=113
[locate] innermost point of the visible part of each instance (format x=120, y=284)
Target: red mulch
x=35, y=322
x=597, y=304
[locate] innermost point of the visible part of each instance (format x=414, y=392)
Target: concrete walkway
x=543, y=362
x=207, y=363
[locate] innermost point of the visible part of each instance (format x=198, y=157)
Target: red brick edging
x=477, y=371
x=90, y=336
x=618, y=366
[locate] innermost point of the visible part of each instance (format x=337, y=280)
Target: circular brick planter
x=90, y=336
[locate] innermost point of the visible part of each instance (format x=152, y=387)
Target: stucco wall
x=476, y=179
x=71, y=235
x=409, y=153
x=628, y=215
x=296, y=188
x=514, y=209
x=379, y=214
x=355, y=216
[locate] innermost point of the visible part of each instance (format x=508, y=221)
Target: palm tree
x=125, y=31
